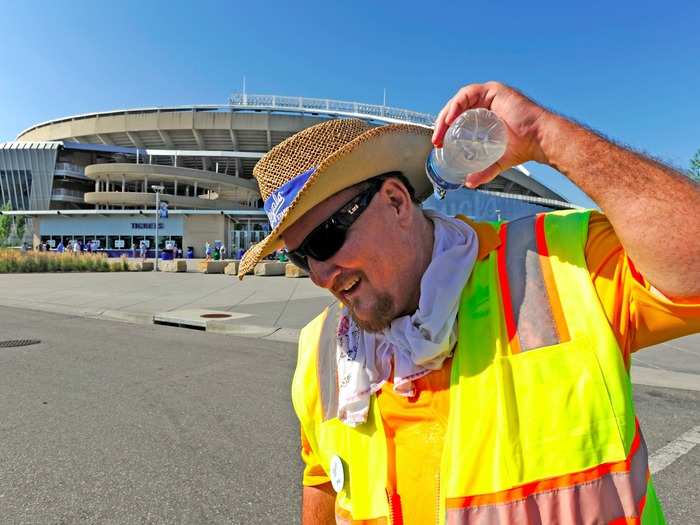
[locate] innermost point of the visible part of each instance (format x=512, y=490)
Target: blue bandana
x=278, y=202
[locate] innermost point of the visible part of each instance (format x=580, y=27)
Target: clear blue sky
x=629, y=69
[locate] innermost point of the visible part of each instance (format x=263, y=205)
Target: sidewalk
x=270, y=302
x=264, y=307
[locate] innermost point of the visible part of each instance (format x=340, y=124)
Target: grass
x=14, y=261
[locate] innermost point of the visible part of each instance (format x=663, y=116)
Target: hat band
x=277, y=204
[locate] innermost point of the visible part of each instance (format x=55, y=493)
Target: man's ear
x=397, y=196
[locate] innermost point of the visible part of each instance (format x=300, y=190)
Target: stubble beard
x=381, y=317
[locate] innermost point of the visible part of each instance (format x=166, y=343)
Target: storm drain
x=196, y=318
x=19, y=342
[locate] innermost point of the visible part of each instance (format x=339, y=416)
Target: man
x=483, y=376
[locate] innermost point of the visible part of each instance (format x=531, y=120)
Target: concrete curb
x=126, y=317
x=241, y=330
x=642, y=375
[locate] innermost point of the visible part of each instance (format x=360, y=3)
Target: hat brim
x=395, y=147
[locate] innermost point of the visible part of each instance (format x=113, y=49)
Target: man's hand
x=521, y=116
x=651, y=206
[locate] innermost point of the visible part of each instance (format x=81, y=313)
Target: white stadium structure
x=92, y=176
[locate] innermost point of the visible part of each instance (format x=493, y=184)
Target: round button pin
x=337, y=473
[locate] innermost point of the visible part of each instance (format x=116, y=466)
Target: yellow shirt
x=415, y=427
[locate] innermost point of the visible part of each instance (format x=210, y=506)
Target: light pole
x=158, y=190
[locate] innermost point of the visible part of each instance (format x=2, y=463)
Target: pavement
x=267, y=308
x=114, y=419
x=105, y=422
x=259, y=306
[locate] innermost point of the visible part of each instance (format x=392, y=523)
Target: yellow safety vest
x=541, y=426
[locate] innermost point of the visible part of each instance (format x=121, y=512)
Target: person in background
x=133, y=250
x=207, y=251
x=222, y=252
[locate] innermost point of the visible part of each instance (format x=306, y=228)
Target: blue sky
x=628, y=69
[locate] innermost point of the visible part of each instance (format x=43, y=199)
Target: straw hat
x=324, y=159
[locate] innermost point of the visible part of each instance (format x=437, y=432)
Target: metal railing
x=277, y=102
x=268, y=102
x=62, y=193
x=67, y=168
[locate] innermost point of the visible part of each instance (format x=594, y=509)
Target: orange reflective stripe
x=505, y=291
x=548, y=276
x=608, y=493
x=535, y=487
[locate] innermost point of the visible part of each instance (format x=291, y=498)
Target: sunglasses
x=328, y=237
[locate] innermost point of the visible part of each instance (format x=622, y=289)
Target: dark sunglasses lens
x=301, y=261
x=325, y=243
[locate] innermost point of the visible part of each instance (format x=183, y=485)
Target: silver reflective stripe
x=528, y=294
x=612, y=496
x=327, y=365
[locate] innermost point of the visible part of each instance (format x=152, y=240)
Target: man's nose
x=323, y=273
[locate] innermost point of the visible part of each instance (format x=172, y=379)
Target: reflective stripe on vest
x=327, y=365
x=532, y=310
x=602, y=494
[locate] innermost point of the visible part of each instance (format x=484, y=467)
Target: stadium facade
x=95, y=176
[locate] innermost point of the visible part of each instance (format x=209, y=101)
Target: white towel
x=417, y=343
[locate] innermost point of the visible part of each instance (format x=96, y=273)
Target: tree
x=6, y=222
x=694, y=171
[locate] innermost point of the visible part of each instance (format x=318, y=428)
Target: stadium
x=94, y=177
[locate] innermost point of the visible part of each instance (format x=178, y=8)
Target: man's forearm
x=651, y=206
x=318, y=505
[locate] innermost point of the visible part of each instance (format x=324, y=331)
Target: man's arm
x=650, y=205
x=318, y=505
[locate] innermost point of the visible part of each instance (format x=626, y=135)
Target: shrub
x=14, y=261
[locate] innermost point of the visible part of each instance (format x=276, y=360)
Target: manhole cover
x=216, y=316
x=19, y=342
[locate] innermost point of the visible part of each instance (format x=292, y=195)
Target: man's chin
x=375, y=319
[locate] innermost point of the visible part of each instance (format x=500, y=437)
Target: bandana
x=416, y=344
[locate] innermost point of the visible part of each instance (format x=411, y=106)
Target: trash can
x=190, y=252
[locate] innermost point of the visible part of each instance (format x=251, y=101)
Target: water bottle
x=472, y=143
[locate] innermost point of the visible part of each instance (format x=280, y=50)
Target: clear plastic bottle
x=472, y=143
